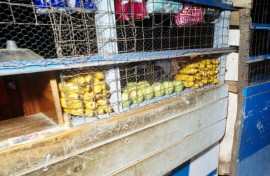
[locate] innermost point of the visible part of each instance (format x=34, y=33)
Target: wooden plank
x=24, y=126
x=47, y=95
x=233, y=86
x=243, y=3
x=234, y=18
x=28, y=89
x=78, y=140
x=244, y=50
x=56, y=99
x=165, y=161
x=112, y=157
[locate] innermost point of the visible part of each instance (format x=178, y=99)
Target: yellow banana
x=89, y=78
x=71, y=104
x=78, y=80
x=88, y=96
x=75, y=112
x=99, y=75
x=100, y=111
x=107, y=108
x=90, y=105
x=103, y=102
x=90, y=113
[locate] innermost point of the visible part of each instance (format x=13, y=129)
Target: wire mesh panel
x=86, y=94
x=65, y=28
x=259, y=69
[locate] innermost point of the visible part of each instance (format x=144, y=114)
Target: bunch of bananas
x=85, y=95
x=198, y=74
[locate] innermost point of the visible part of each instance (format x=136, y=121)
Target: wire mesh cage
x=62, y=28
x=71, y=29
x=258, y=68
x=93, y=93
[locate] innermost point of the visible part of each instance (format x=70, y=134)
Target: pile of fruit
x=137, y=92
x=198, y=74
x=85, y=95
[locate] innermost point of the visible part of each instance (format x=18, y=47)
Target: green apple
x=169, y=87
x=131, y=84
x=178, y=86
x=148, y=93
x=136, y=96
x=158, y=89
x=125, y=100
x=143, y=83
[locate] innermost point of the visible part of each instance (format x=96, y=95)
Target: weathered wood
x=24, y=126
x=244, y=48
x=133, y=149
x=39, y=154
x=235, y=18
x=233, y=86
x=243, y=3
x=163, y=162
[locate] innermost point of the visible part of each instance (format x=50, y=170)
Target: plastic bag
x=163, y=6
x=190, y=15
x=45, y=6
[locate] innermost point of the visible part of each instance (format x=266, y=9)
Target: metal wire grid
x=134, y=86
x=72, y=33
x=259, y=70
x=260, y=12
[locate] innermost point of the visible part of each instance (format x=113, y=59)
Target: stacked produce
x=85, y=95
x=137, y=92
x=198, y=74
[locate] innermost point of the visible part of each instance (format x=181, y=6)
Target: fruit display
x=198, y=74
x=86, y=94
x=137, y=92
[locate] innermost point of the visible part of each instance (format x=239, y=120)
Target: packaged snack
x=190, y=15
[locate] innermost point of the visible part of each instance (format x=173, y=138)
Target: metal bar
x=212, y=3
x=260, y=26
x=21, y=67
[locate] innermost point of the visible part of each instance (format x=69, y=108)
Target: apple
x=169, y=87
x=136, y=96
x=148, y=93
x=158, y=89
x=125, y=100
x=178, y=86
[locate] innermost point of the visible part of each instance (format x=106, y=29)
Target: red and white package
x=190, y=15
x=130, y=9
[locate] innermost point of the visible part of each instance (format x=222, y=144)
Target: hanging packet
x=45, y=6
x=190, y=15
x=163, y=6
x=82, y=5
x=130, y=9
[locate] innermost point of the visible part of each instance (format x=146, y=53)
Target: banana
x=106, y=94
x=75, y=112
x=103, y=102
x=100, y=111
x=71, y=104
x=90, y=113
x=89, y=78
x=70, y=95
x=90, y=105
x=78, y=80
x=69, y=87
x=107, y=108
x=215, y=81
x=88, y=96
x=99, y=75
x=97, y=88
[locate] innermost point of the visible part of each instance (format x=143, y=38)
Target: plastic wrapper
x=45, y=6
x=127, y=10
x=163, y=6
x=190, y=15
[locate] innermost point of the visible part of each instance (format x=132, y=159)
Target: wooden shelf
x=21, y=126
